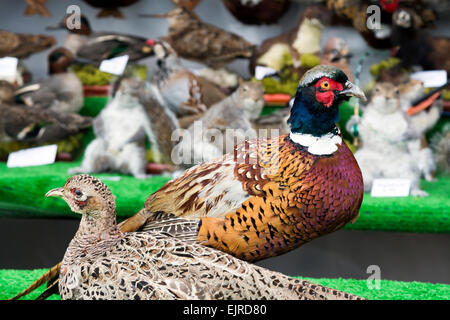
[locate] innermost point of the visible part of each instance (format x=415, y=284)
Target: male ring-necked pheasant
x=270, y=195
x=102, y=262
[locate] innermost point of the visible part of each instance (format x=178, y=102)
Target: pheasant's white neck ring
x=323, y=145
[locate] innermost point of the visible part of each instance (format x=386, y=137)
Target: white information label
x=431, y=79
x=390, y=188
x=113, y=178
x=115, y=65
x=261, y=72
x=32, y=157
x=8, y=67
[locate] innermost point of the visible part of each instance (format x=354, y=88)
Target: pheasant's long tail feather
x=49, y=277
x=52, y=288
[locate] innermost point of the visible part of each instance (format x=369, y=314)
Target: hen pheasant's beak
x=58, y=192
x=353, y=91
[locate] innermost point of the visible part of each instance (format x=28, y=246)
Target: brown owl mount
x=196, y=40
x=257, y=12
x=110, y=8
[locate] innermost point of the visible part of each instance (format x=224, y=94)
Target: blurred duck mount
x=181, y=103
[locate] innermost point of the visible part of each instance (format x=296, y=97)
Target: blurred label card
x=261, y=72
x=431, y=79
x=8, y=67
x=32, y=157
x=115, y=65
x=390, y=188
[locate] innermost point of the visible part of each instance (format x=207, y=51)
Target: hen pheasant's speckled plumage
x=103, y=263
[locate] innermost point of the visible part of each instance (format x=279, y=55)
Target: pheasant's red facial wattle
x=325, y=91
x=79, y=198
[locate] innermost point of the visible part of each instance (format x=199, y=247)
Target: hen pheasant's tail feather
x=311, y=291
x=50, y=277
x=52, y=288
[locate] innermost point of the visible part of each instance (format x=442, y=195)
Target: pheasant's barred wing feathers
x=166, y=224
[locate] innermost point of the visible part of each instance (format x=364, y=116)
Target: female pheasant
x=270, y=195
x=102, y=262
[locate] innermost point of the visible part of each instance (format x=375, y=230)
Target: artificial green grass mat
x=14, y=281
x=418, y=214
x=22, y=193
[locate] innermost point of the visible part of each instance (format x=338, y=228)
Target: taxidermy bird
x=232, y=113
x=22, y=45
x=420, y=123
x=415, y=47
x=179, y=87
x=440, y=143
x=94, y=47
x=356, y=13
x=104, y=263
x=34, y=124
x=304, y=38
x=196, y=40
x=186, y=95
x=62, y=91
x=257, y=12
x=36, y=7
x=385, y=131
x=120, y=131
x=163, y=123
x=269, y=195
x=337, y=53
x=110, y=8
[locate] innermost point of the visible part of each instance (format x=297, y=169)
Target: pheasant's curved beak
x=57, y=192
x=353, y=90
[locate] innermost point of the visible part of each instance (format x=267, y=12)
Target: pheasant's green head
x=319, y=94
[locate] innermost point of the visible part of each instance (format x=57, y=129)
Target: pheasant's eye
x=78, y=192
x=325, y=85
